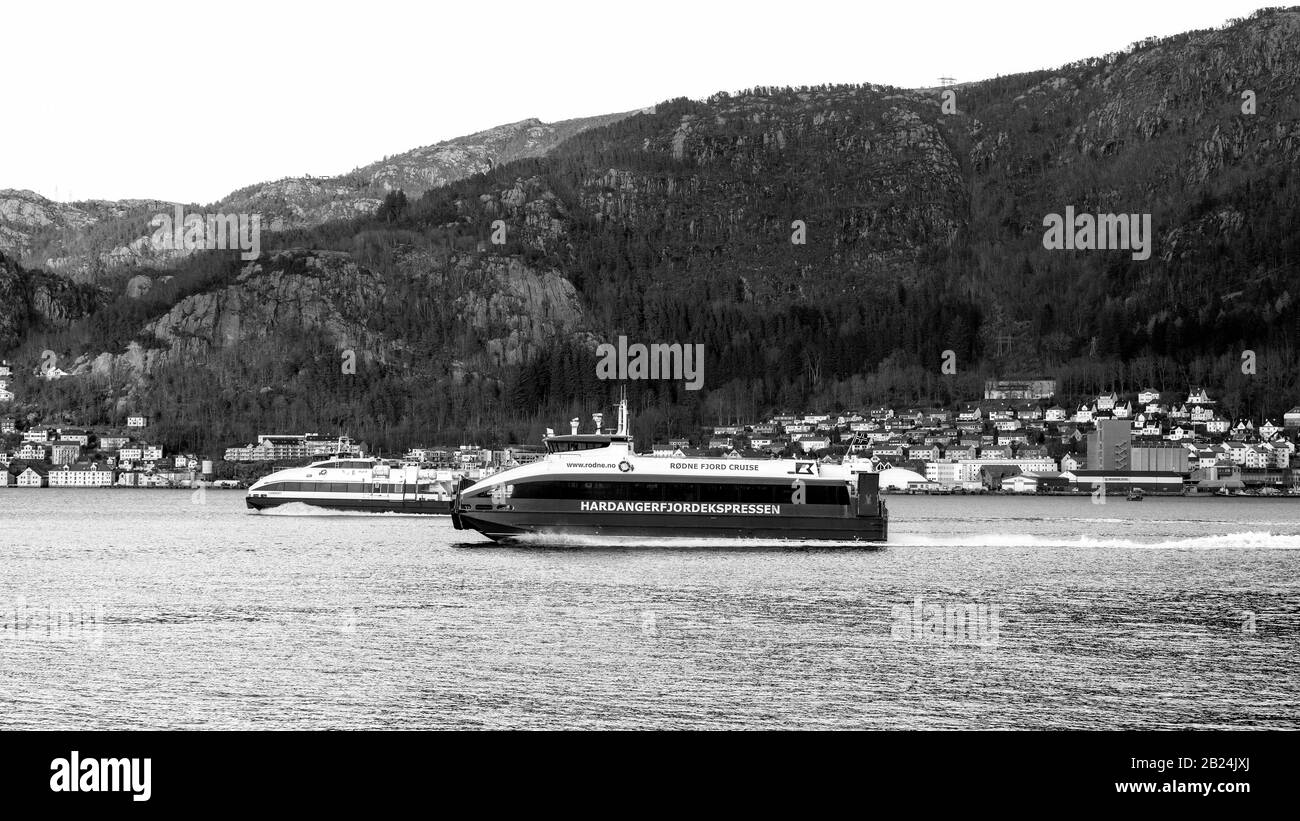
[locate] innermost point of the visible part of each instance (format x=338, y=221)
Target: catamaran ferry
x=357, y=484
x=596, y=485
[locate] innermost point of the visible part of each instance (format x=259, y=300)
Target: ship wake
x=1248, y=540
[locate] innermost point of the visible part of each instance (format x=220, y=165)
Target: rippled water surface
x=141, y=609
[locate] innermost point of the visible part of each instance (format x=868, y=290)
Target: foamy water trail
x=304, y=509
x=1251, y=539
x=574, y=540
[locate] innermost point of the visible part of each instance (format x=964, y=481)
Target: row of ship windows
x=783, y=493
x=340, y=487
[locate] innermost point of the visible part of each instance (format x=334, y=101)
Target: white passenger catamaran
x=359, y=484
x=596, y=485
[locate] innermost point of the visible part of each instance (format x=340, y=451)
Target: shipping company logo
x=654, y=361
x=966, y=623
x=200, y=232
x=75, y=774
x=1103, y=232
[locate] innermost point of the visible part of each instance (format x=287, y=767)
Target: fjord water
x=1171, y=613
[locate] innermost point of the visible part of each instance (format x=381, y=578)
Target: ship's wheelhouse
x=579, y=442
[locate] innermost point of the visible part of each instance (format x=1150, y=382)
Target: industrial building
x=1111, y=481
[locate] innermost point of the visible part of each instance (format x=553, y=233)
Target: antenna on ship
x=622, y=411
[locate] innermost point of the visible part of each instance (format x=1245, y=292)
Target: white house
x=1283, y=450
x=1258, y=456
x=1268, y=430
x=140, y=453
x=1107, y=401
x=1147, y=396
x=1150, y=427
x=1056, y=413
x=31, y=477
x=923, y=453
x=1236, y=452
x=968, y=470
x=91, y=475
x=135, y=422
x=813, y=443
x=30, y=452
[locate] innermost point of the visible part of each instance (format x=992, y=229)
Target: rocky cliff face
x=437, y=165
x=512, y=307
x=35, y=300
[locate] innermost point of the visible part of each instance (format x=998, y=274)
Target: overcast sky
x=189, y=101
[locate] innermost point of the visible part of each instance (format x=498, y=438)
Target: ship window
x=680, y=492
x=828, y=494
x=717, y=492
x=564, y=447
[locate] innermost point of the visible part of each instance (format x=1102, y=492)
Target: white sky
x=188, y=101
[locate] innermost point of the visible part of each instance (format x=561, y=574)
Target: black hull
x=505, y=525
x=356, y=505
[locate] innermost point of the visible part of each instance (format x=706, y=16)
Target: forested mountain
x=923, y=234
x=91, y=240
